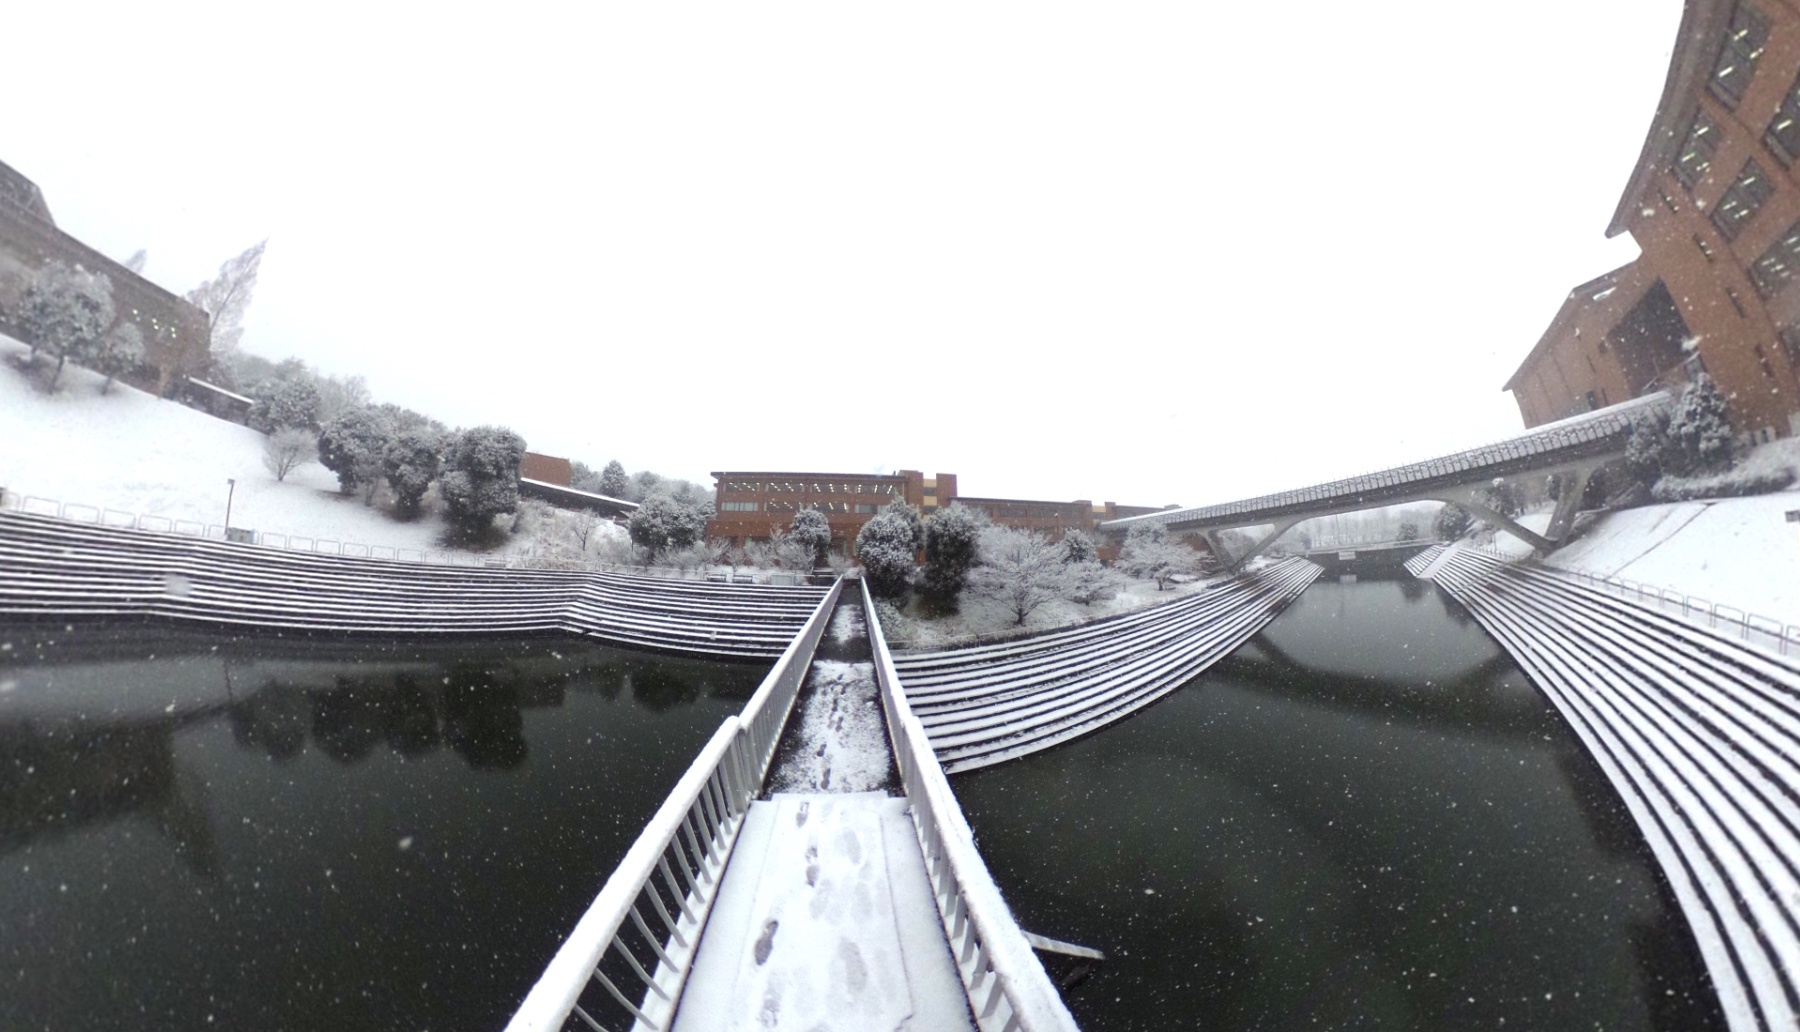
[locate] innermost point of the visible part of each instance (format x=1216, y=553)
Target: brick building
x=177, y=335
x=1714, y=205
x=748, y=505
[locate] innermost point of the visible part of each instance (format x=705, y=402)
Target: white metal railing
x=639, y=938
x=1008, y=989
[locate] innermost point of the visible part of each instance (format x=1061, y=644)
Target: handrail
x=1007, y=987
x=694, y=832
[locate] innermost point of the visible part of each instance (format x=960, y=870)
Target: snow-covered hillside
x=137, y=453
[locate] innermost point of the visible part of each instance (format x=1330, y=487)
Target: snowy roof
x=584, y=495
x=1589, y=434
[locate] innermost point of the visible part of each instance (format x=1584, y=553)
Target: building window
x=1790, y=344
x=1742, y=199
x=1736, y=302
x=1778, y=264
x=1669, y=202
x=1783, y=135
x=1705, y=248
x=738, y=506
x=1762, y=357
x=864, y=509
x=1744, y=43
x=738, y=485
x=1696, y=154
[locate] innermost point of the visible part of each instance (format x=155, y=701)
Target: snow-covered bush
x=953, y=538
x=291, y=399
x=1732, y=484
x=65, y=313
x=906, y=514
x=355, y=447
x=662, y=523
x=811, y=530
x=1149, y=553
x=1409, y=530
x=288, y=449
x=885, y=548
x=410, y=463
x=120, y=353
x=481, y=477
x=1077, y=547
x=1020, y=569
x=1452, y=522
x=1699, y=434
x=1090, y=582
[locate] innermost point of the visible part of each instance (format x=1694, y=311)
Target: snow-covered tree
x=1409, y=530
x=341, y=394
x=661, y=523
x=885, y=547
x=1699, y=433
x=791, y=552
x=411, y=463
x=1020, y=569
x=906, y=514
x=139, y=258
x=1078, y=547
x=613, y=481
x=120, y=353
x=1452, y=522
x=65, y=313
x=288, y=449
x=1149, y=553
x=290, y=399
x=811, y=531
x=1503, y=497
x=355, y=447
x=952, y=546
x=225, y=298
x=481, y=477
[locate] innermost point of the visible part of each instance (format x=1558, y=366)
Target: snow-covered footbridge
x=56, y=568
x=1700, y=735
x=1574, y=448
x=805, y=877
x=993, y=703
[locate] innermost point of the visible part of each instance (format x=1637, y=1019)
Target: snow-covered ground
x=136, y=453
x=1740, y=552
x=985, y=618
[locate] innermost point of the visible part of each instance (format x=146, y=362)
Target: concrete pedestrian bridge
x=1573, y=447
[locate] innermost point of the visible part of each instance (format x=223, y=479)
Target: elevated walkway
x=1574, y=447
x=1700, y=736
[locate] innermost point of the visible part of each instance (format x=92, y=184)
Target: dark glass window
x=1790, y=343
x=1696, y=155
x=1783, y=137
x=1744, y=43
x=1742, y=198
x=1778, y=264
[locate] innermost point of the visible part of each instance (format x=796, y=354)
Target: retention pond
x=1366, y=818
x=281, y=834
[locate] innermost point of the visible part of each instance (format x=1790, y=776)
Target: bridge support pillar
x=1568, y=502
x=1281, y=527
x=1466, y=499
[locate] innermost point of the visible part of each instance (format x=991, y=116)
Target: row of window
x=860, y=508
x=816, y=487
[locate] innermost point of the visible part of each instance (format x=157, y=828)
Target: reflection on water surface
x=1367, y=818
x=276, y=833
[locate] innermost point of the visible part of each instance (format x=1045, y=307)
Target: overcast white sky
x=1147, y=253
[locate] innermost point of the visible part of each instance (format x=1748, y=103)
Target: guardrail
x=1007, y=987
x=692, y=833
x=1752, y=628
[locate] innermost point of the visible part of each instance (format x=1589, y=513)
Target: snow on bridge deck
x=1589, y=436
x=1699, y=734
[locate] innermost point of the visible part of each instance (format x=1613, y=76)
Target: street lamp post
x=230, y=493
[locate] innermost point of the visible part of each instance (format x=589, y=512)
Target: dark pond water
x=1365, y=819
x=282, y=835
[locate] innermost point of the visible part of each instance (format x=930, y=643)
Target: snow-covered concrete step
x=984, y=706
x=1425, y=565
x=825, y=922
x=1700, y=735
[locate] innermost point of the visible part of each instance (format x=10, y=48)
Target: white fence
x=644, y=927
x=1008, y=989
